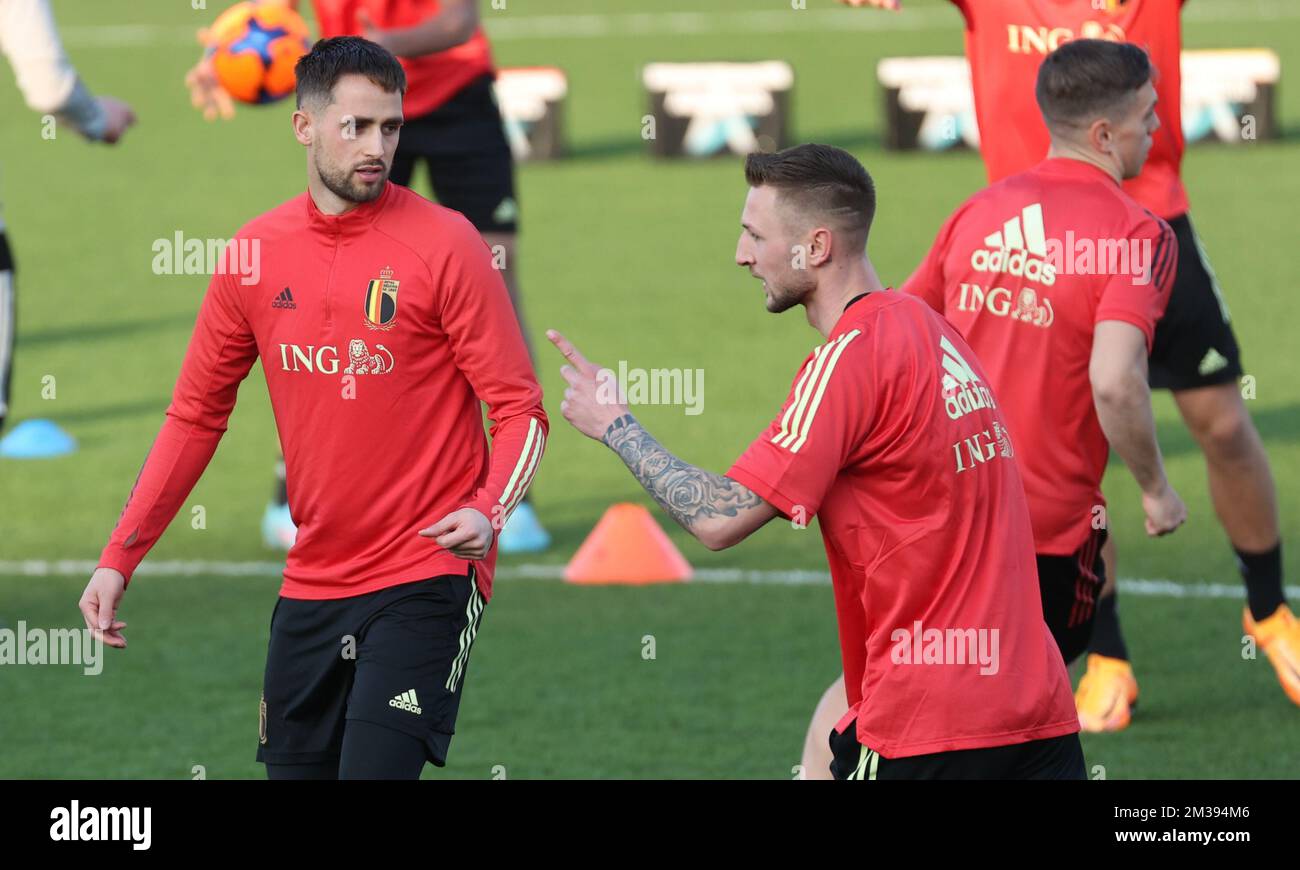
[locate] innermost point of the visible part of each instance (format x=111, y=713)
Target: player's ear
x=820, y=243
x=1100, y=136
x=302, y=127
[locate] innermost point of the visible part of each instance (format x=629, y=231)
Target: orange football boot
x=1107, y=694
x=1279, y=637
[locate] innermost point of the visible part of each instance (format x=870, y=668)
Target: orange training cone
x=627, y=546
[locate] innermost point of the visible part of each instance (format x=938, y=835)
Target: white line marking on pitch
x=197, y=567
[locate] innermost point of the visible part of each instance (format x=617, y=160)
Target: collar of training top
x=845, y=313
x=352, y=222
x=854, y=299
x=1075, y=168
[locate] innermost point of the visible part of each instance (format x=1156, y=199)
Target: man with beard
x=376, y=395
x=1194, y=354
x=453, y=126
x=951, y=672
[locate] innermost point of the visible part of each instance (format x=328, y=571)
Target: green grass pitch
x=632, y=258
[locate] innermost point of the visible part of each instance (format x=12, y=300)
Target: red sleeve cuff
x=768, y=493
x=486, y=505
x=120, y=563
x=1142, y=323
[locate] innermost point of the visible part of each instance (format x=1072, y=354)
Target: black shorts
x=1070, y=586
x=1050, y=758
x=1194, y=344
x=464, y=145
x=395, y=658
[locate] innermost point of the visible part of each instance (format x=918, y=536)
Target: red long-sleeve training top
x=380, y=330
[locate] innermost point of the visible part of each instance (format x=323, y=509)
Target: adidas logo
x=284, y=300
x=1212, y=362
x=962, y=390
x=406, y=701
x=506, y=211
x=1019, y=249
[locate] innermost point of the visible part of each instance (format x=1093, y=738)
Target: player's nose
x=742, y=256
x=373, y=144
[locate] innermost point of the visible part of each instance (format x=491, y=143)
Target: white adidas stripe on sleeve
x=809, y=393
x=525, y=468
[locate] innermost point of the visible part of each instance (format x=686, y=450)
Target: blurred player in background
x=50, y=86
x=454, y=127
x=386, y=585
x=1067, y=347
x=922, y=537
x=1194, y=354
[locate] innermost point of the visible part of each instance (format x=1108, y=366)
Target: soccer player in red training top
x=381, y=325
x=1029, y=270
x=1194, y=353
x=951, y=671
x=453, y=126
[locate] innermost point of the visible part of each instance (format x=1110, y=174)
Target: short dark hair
x=1086, y=78
x=329, y=60
x=820, y=180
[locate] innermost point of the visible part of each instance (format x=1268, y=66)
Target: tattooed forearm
x=689, y=494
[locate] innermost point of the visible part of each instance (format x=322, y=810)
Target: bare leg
x=1241, y=488
x=1241, y=482
x=816, y=760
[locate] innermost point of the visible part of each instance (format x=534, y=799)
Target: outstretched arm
x=49, y=84
x=716, y=510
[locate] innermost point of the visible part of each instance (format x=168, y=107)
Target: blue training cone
x=37, y=439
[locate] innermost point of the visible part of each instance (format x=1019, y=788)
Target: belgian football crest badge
x=381, y=301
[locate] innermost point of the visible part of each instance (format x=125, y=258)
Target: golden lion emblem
x=362, y=362
x=1029, y=310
